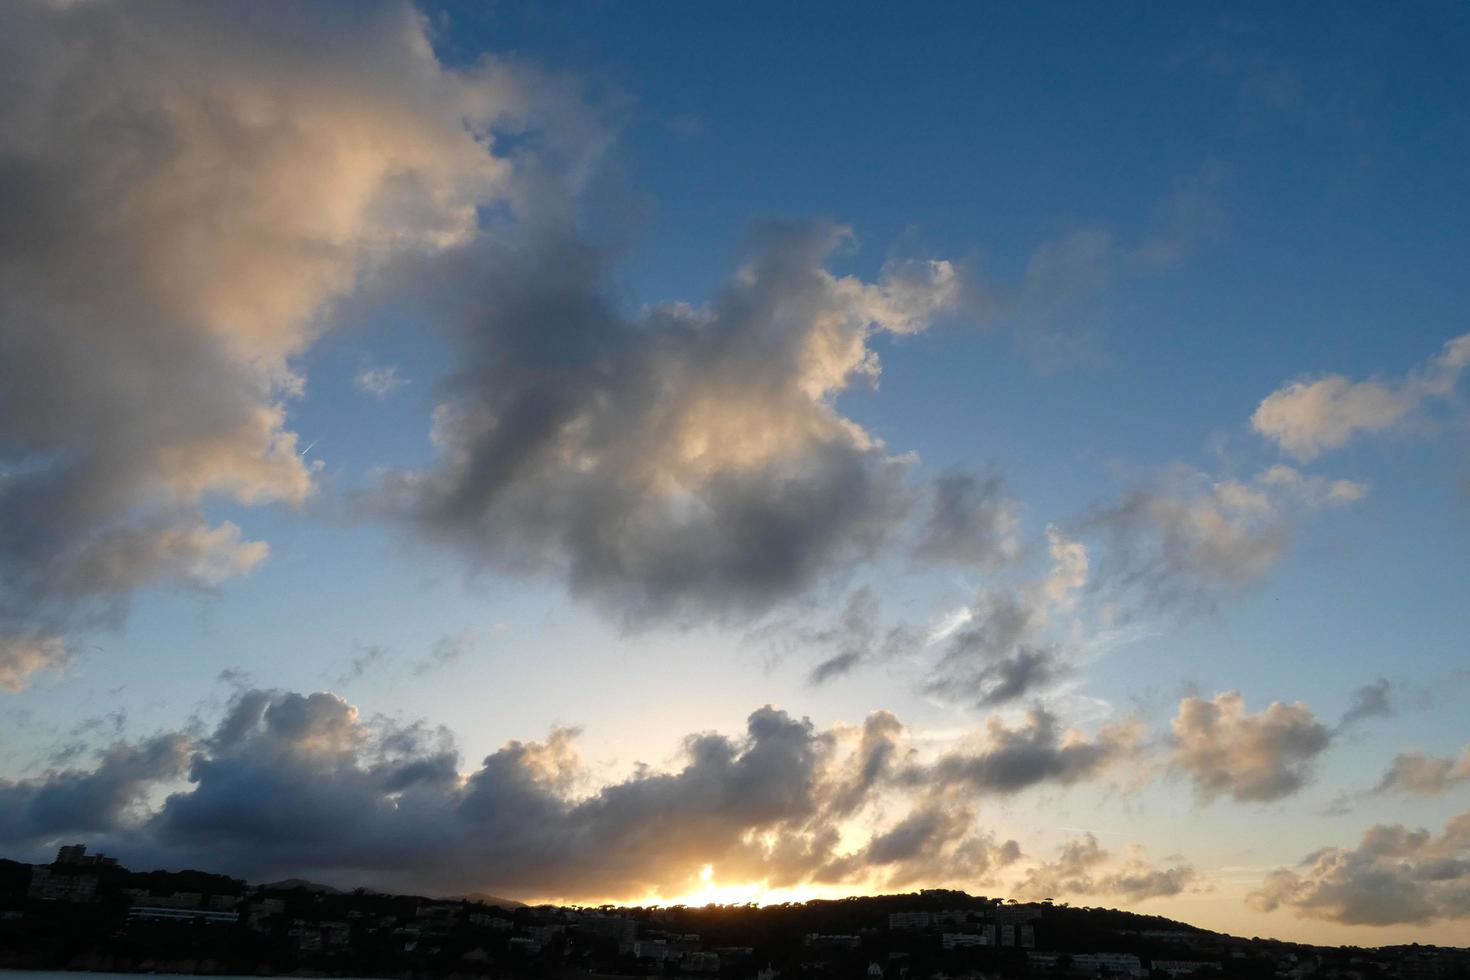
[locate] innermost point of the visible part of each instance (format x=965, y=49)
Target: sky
x=634, y=452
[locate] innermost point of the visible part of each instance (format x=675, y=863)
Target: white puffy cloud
x=1308, y=417
x=1225, y=751
x=188, y=188
x=1009, y=759
x=682, y=463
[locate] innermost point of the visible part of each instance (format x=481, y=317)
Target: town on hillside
x=87, y=912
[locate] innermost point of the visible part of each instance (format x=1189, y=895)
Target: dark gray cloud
x=1016, y=676
x=997, y=656
x=1038, y=751
x=289, y=784
x=73, y=801
x=681, y=463
x=187, y=188
x=1394, y=875
x=878, y=754
x=1226, y=751
x=937, y=841
x=971, y=521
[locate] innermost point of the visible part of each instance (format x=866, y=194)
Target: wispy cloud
x=380, y=381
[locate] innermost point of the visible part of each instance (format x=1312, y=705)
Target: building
x=818, y=941
x=908, y=920
x=146, y=913
x=964, y=940
x=76, y=856
x=618, y=928
x=53, y=887
x=651, y=949
x=1179, y=968
x=1109, y=963
x=701, y=962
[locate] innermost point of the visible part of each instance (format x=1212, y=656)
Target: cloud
x=1251, y=758
x=972, y=521
x=364, y=659
x=1011, y=759
x=1311, y=416
x=934, y=842
x=1368, y=701
x=380, y=382
x=104, y=799
x=1418, y=774
x=858, y=637
x=1393, y=876
x=991, y=659
x=446, y=650
x=1069, y=568
x=998, y=652
x=1191, y=539
x=1016, y=676
x=683, y=463
x=1065, y=277
x=189, y=188
x=23, y=655
x=296, y=784
x=1076, y=872
x=1138, y=880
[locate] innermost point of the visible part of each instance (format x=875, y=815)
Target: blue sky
x=1093, y=247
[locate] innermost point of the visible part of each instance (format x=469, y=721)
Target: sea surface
x=89, y=975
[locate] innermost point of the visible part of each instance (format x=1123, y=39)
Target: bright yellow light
x=712, y=892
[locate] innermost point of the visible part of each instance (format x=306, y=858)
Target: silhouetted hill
x=484, y=899
x=107, y=918
x=301, y=884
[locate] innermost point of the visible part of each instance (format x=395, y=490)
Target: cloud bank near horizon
x=285, y=784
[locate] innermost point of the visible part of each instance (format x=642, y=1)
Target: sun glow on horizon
x=707, y=889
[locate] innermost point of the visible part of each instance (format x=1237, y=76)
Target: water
x=88, y=975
